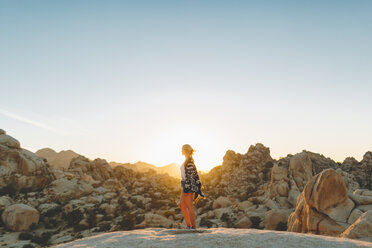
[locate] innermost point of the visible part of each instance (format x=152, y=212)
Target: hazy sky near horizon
x=134, y=80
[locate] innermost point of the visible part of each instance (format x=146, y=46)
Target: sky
x=135, y=80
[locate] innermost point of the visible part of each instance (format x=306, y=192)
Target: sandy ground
x=214, y=237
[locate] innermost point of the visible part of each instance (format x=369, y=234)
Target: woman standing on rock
x=190, y=184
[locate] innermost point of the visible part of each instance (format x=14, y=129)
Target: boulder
x=307, y=220
x=276, y=219
x=108, y=209
x=9, y=141
x=221, y=211
x=22, y=170
x=62, y=190
x=98, y=169
x=301, y=169
x=222, y=202
x=2, y=131
x=360, y=229
x=365, y=192
x=361, y=199
x=341, y=211
x=355, y=214
x=293, y=192
x=49, y=209
x=365, y=208
x=244, y=222
x=323, y=207
x=325, y=190
x=279, y=182
x=20, y=217
x=5, y=201
x=244, y=205
x=155, y=220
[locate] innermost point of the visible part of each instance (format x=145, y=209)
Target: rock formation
x=305, y=192
x=21, y=170
x=61, y=159
x=19, y=217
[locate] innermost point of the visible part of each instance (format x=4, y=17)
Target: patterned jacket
x=192, y=180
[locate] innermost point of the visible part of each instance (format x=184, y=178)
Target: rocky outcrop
x=208, y=238
x=249, y=190
x=361, y=170
x=62, y=190
x=361, y=228
x=323, y=207
x=19, y=217
x=97, y=169
x=21, y=170
x=61, y=159
x=301, y=169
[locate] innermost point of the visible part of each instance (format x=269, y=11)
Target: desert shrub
x=168, y=213
x=28, y=246
x=80, y=227
x=205, y=222
x=139, y=218
x=42, y=239
x=8, y=190
x=104, y=226
x=50, y=223
x=255, y=221
x=282, y=226
x=73, y=217
x=107, y=218
x=91, y=217
x=255, y=201
x=25, y=190
x=53, y=211
x=128, y=221
x=227, y=218
x=25, y=236
x=123, y=206
x=33, y=226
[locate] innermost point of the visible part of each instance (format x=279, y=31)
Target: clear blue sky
x=134, y=80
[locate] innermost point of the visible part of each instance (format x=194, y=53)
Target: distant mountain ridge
x=60, y=159
x=63, y=159
x=172, y=169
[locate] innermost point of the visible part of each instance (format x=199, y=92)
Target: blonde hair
x=188, y=150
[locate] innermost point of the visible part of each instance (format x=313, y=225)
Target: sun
x=166, y=147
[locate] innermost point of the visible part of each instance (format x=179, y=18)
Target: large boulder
x=325, y=190
x=222, y=202
x=9, y=141
x=276, y=219
x=278, y=186
x=307, y=220
x=301, y=169
x=361, y=199
x=62, y=190
x=98, y=169
x=360, y=229
x=20, y=217
x=21, y=170
x=61, y=159
x=323, y=207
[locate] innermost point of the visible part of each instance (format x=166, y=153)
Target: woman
x=190, y=184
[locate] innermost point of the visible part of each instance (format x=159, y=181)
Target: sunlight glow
x=166, y=147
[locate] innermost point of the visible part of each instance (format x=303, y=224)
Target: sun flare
x=166, y=147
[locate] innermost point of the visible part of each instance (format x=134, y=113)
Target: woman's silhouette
x=190, y=184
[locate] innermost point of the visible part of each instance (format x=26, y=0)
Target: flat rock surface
x=213, y=237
